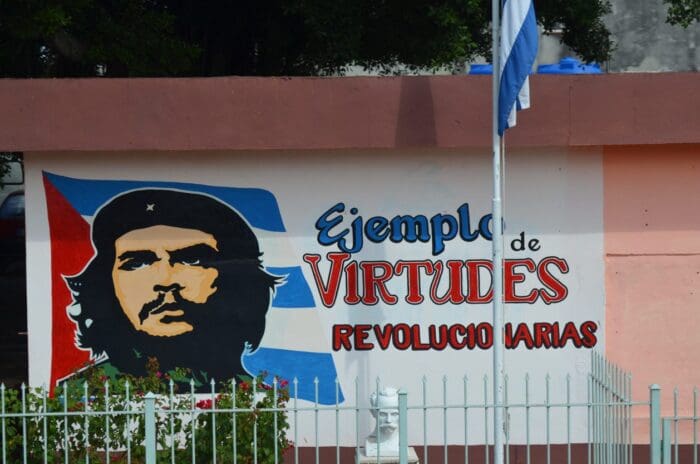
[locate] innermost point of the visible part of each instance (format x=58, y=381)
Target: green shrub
x=183, y=420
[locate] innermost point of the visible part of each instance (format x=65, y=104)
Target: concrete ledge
x=236, y=113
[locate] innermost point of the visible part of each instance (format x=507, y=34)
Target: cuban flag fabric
x=283, y=353
x=518, y=50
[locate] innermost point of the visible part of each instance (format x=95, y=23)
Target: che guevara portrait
x=175, y=275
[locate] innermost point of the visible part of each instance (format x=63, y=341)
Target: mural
x=170, y=271
x=331, y=270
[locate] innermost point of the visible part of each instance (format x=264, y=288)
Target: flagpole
x=497, y=244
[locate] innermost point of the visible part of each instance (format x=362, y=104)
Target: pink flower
x=159, y=374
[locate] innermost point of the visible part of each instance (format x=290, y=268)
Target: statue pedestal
x=362, y=459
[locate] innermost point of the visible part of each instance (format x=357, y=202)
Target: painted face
x=159, y=273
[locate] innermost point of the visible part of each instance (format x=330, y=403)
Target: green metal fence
x=250, y=422
x=671, y=441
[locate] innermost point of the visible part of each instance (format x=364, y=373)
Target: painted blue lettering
x=415, y=228
x=465, y=224
x=376, y=229
x=440, y=229
x=357, y=239
x=325, y=224
x=484, y=228
x=440, y=235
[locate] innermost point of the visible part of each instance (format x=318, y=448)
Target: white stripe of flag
x=518, y=50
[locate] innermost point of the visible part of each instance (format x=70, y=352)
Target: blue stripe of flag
x=518, y=63
x=294, y=292
x=304, y=366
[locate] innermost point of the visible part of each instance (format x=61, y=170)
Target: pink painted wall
x=652, y=248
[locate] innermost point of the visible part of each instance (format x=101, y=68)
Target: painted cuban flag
x=284, y=351
x=518, y=50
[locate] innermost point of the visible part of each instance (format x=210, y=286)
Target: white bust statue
x=386, y=432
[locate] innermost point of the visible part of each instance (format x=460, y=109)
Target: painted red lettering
x=413, y=295
x=473, y=274
x=341, y=337
x=555, y=290
x=543, y=331
x=328, y=291
x=588, y=330
x=402, y=336
x=512, y=277
x=454, y=292
x=374, y=282
x=383, y=335
x=352, y=297
x=361, y=334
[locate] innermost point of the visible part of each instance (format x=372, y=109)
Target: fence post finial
x=403, y=427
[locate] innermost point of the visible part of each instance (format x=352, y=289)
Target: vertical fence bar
x=403, y=427
x=376, y=416
x=337, y=421
x=695, y=425
x=316, y=418
x=666, y=441
x=255, y=421
x=506, y=417
x=171, y=392
x=2, y=424
x=212, y=383
x=614, y=408
x=620, y=415
x=568, y=418
x=150, y=427
x=86, y=424
x=616, y=414
x=234, y=434
x=620, y=398
x=602, y=399
x=65, y=423
x=608, y=414
x=193, y=420
x=424, y=382
x=589, y=415
x=527, y=418
x=655, y=424
x=547, y=425
x=127, y=397
x=24, y=423
x=274, y=418
x=625, y=420
x=611, y=413
x=357, y=423
x=675, y=425
x=444, y=419
x=595, y=407
x=106, y=391
x=466, y=421
x=629, y=420
x=486, y=420
x=44, y=420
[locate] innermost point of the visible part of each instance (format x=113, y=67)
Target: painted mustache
x=157, y=306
